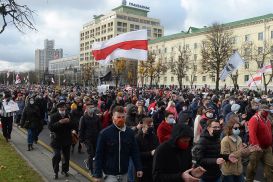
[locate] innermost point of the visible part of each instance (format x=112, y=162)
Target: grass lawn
x=13, y=168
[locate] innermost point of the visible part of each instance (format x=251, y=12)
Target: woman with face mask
x=164, y=130
x=232, y=170
x=32, y=121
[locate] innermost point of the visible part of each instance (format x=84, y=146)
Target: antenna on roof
x=124, y=2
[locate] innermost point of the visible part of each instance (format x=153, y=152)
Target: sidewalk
x=40, y=159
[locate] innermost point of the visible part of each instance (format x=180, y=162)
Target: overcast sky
x=62, y=21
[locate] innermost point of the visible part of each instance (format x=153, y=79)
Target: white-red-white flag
x=8, y=74
x=131, y=45
x=52, y=80
x=255, y=80
x=18, y=79
x=265, y=69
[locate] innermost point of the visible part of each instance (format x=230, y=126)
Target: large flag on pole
x=255, y=80
x=234, y=62
x=265, y=69
x=18, y=79
x=131, y=45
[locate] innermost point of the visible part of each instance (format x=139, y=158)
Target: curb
x=71, y=163
x=29, y=163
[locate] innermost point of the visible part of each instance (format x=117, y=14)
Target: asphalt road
x=79, y=158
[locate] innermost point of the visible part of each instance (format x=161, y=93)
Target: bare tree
x=21, y=16
x=180, y=66
x=193, y=73
x=215, y=50
x=261, y=56
x=152, y=68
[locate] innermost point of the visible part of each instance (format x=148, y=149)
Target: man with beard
x=116, y=144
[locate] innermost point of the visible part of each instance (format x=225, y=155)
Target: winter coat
x=61, y=133
x=114, y=148
x=170, y=161
x=146, y=143
x=31, y=118
x=208, y=150
x=89, y=128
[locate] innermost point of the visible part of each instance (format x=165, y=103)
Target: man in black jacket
x=173, y=161
x=208, y=152
x=61, y=128
x=147, y=142
x=116, y=144
x=89, y=128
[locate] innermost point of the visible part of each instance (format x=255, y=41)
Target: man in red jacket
x=260, y=133
x=164, y=130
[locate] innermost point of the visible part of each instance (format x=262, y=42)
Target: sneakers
x=86, y=164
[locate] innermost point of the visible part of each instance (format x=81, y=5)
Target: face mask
x=150, y=130
x=170, y=120
x=216, y=133
x=184, y=108
x=31, y=101
x=120, y=123
x=236, y=132
x=231, y=102
x=183, y=145
x=62, y=113
x=264, y=114
x=209, y=115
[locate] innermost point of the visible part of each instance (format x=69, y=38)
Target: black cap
x=61, y=104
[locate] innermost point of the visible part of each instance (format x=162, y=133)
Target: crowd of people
x=149, y=135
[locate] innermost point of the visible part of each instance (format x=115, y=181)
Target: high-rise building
x=124, y=18
x=43, y=56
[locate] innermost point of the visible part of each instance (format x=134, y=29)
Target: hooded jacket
x=170, y=161
x=131, y=119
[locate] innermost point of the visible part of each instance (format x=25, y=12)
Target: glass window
x=246, y=65
x=195, y=45
x=204, y=78
x=187, y=78
x=260, y=50
x=213, y=78
x=246, y=78
x=195, y=57
x=260, y=36
x=247, y=37
x=165, y=79
x=172, y=79
x=271, y=34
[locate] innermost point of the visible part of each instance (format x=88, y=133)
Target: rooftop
x=195, y=31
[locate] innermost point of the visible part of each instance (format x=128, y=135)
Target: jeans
x=233, y=178
x=217, y=180
x=31, y=135
x=131, y=171
x=116, y=178
x=265, y=156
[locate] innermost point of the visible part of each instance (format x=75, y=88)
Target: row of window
x=139, y=20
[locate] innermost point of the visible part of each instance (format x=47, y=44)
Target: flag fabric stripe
x=129, y=36
x=131, y=45
x=265, y=69
x=256, y=80
x=127, y=45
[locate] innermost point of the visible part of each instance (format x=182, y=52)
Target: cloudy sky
x=62, y=21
